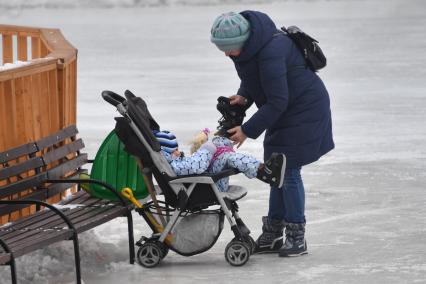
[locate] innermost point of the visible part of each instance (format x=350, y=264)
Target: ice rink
x=365, y=200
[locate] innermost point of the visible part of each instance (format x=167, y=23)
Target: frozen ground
x=365, y=200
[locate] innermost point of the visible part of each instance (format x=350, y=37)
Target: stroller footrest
x=235, y=192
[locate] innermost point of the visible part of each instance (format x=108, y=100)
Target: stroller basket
x=195, y=233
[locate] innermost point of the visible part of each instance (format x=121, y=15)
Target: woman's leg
x=294, y=200
x=271, y=239
x=288, y=203
x=286, y=206
x=277, y=208
x=293, y=196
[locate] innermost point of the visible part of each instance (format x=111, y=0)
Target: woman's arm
x=273, y=78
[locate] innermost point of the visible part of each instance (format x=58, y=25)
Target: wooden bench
x=37, y=171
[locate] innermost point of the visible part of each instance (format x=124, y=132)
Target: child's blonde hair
x=199, y=140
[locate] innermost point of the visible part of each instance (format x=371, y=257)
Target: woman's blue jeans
x=288, y=203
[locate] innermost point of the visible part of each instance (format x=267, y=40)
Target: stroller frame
x=135, y=116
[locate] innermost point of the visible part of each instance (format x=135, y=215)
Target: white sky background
x=365, y=200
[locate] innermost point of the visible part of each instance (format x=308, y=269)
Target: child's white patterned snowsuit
x=204, y=161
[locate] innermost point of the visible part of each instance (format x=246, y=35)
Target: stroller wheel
x=237, y=253
x=165, y=251
x=150, y=254
x=251, y=243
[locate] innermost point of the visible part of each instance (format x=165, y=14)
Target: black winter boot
x=295, y=243
x=271, y=239
x=273, y=170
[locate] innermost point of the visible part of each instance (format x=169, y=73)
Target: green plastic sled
x=116, y=167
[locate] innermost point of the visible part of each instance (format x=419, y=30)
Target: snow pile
x=55, y=264
x=15, y=64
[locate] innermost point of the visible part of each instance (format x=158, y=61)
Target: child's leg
x=217, y=166
x=223, y=184
x=246, y=164
x=197, y=163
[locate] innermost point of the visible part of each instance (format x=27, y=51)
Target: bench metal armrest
x=41, y=203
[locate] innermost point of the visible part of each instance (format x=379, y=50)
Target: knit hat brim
x=230, y=44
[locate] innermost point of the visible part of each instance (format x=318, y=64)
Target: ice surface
x=29, y=4
x=366, y=200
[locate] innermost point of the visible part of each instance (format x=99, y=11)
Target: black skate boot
x=295, y=243
x=271, y=239
x=273, y=170
x=232, y=115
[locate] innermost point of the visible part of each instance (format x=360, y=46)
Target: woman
x=293, y=108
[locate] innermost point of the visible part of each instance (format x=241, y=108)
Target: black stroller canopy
x=138, y=113
x=143, y=119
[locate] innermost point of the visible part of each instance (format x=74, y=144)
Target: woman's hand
x=237, y=100
x=237, y=135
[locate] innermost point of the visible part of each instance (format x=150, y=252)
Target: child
x=217, y=155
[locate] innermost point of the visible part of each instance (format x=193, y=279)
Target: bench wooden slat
x=42, y=220
x=57, y=188
x=20, y=223
x=21, y=168
x=48, y=219
x=31, y=236
x=67, y=167
x=63, y=151
x=90, y=212
x=4, y=257
x=17, y=152
x=25, y=234
x=100, y=219
x=53, y=223
x=28, y=220
x=20, y=185
x=86, y=199
x=57, y=137
x=22, y=236
x=35, y=195
x=40, y=242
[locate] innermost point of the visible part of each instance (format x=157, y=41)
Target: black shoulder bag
x=314, y=57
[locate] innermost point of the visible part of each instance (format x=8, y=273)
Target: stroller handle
x=129, y=95
x=112, y=98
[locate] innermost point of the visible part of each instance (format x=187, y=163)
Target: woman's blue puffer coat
x=293, y=103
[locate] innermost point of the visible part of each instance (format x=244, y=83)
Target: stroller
x=185, y=213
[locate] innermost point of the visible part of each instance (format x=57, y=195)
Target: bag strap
x=280, y=32
x=284, y=31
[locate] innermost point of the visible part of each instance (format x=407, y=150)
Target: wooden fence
x=38, y=80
